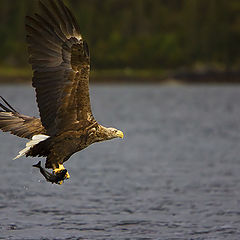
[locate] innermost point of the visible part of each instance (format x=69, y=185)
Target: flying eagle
x=60, y=62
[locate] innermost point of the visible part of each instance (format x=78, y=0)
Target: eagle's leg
x=59, y=168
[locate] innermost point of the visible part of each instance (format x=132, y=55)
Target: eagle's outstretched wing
x=61, y=64
x=19, y=124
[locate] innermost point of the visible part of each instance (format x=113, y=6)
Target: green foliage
x=148, y=34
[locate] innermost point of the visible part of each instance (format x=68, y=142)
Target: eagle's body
x=59, y=148
x=60, y=61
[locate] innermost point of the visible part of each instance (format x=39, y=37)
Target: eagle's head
x=114, y=133
x=104, y=133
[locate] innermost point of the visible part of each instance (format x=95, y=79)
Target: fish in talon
x=56, y=177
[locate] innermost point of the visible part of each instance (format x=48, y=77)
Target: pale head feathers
x=104, y=133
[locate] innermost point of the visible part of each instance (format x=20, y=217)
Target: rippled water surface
x=176, y=175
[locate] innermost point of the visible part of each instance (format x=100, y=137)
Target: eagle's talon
x=58, y=170
x=60, y=182
x=67, y=176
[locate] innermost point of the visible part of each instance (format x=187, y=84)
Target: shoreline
x=22, y=76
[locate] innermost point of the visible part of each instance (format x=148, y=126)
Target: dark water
x=176, y=175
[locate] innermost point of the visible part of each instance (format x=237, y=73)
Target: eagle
x=60, y=62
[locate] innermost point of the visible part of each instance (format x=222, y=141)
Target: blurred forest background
x=151, y=37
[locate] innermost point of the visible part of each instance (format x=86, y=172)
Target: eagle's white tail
x=35, y=140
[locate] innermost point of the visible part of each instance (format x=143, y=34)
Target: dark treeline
x=151, y=34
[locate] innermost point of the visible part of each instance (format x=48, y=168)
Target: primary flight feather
x=60, y=61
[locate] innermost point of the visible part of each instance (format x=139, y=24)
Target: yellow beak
x=120, y=134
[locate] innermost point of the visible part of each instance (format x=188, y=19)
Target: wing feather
x=61, y=64
x=19, y=124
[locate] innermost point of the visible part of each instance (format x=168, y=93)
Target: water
x=176, y=175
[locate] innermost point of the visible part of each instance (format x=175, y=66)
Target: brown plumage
x=19, y=124
x=60, y=61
